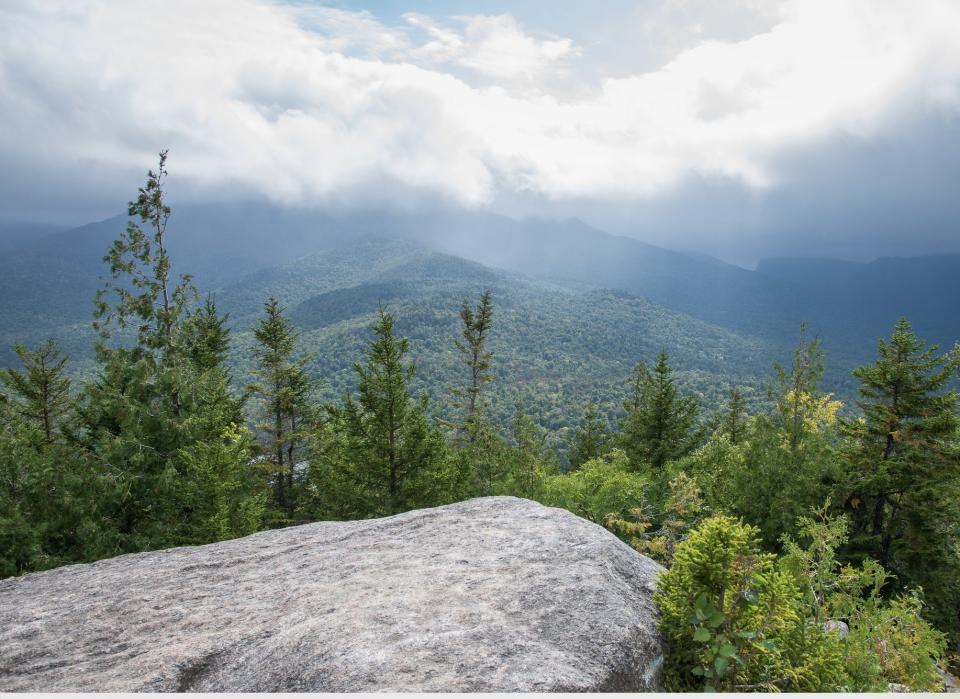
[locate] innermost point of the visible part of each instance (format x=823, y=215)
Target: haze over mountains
x=577, y=307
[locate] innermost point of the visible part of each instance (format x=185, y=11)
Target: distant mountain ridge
x=328, y=267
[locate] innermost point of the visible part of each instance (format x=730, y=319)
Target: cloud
x=493, y=46
x=308, y=104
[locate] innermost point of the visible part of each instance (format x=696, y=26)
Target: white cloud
x=493, y=46
x=306, y=105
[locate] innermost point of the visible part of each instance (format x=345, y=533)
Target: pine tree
x=795, y=393
x=158, y=393
x=733, y=425
x=638, y=383
x=393, y=453
x=285, y=388
x=205, y=337
x=41, y=392
x=140, y=275
x=592, y=437
x=903, y=485
x=527, y=460
x=790, y=460
x=473, y=349
x=660, y=425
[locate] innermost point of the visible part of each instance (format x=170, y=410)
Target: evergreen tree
x=733, y=424
x=285, y=388
x=789, y=460
x=205, y=337
x=140, y=275
x=392, y=458
x=795, y=393
x=155, y=399
x=591, y=439
x=527, y=459
x=638, y=384
x=903, y=484
x=473, y=349
x=660, y=425
x=41, y=392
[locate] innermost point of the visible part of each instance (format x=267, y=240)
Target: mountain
x=555, y=347
x=15, y=235
x=584, y=305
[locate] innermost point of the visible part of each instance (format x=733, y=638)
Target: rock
x=840, y=627
x=950, y=684
x=492, y=594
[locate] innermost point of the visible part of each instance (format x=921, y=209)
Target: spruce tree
x=140, y=268
x=157, y=394
x=660, y=425
x=903, y=478
x=795, y=393
x=527, y=459
x=473, y=349
x=205, y=337
x=41, y=392
x=285, y=388
x=790, y=460
x=591, y=438
x=393, y=454
x=734, y=422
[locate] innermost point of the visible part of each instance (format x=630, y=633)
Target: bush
x=598, y=489
x=732, y=621
x=735, y=618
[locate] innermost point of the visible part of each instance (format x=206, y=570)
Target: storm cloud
x=802, y=126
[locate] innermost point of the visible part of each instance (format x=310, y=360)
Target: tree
x=660, y=425
x=159, y=391
x=41, y=392
x=789, y=459
x=903, y=477
x=733, y=425
x=140, y=274
x=795, y=392
x=527, y=461
x=206, y=337
x=285, y=388
x=391, y=458
x=473, y=349
x=592, y=437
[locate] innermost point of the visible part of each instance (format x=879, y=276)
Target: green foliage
x=380, y=452
x=284, y=389
x=154, y=402
x=140, y=275
x=601, y=487
x=732, y=621
x=888, y=642
x=592, y=437
x=735, y=618
x=50, y=496
x=41, y=392
x=473, y=350
x=733, y=426
x=657, y=534
x=660, y=425
x=902, y=483
x=785, y=461
x=219, y=488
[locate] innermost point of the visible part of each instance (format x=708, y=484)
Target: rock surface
x=492, y=594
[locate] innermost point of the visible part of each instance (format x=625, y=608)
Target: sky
x=742, y=129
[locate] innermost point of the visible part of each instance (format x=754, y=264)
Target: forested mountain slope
x=47, y=282
x=555, y=347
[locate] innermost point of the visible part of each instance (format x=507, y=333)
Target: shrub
x=733, y=621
